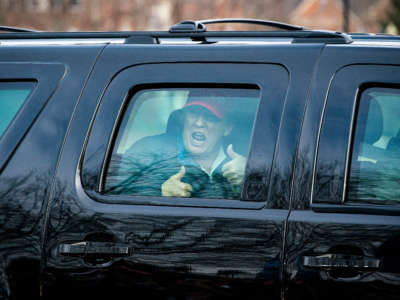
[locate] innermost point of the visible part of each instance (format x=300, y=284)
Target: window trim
x=189, y=74
x=174, y=201
x=359, y=208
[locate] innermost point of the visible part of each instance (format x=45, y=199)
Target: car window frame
x=47, y=77
x=340, y=109
x=184, y=77
x=363, y=93
x=131, y=98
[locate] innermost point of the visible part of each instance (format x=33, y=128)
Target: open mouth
x=198, y=138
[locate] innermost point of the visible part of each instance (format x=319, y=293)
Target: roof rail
x=199, y=26
x=324, y=36
x=15, y=29
x=374, y=36
x=197, y=31
x=194, y=30
x=152, y=37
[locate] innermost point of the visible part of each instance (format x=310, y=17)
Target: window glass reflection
x=190, y=142
x=12, y=96
x=375, y=166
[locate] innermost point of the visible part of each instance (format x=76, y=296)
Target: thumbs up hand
x=174, y=187
x=233, y=170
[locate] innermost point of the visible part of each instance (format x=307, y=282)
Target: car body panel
x=30, y=149
x=321, y=221
x=178, y=250
x=294, y=234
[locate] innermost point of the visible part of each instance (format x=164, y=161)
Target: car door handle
x=86, y=248
x=339, y=261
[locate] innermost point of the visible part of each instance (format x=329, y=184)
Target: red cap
x=212, y=105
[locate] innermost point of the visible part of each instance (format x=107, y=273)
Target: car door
x=344, y=226
x=105, y=241
x=39, y=87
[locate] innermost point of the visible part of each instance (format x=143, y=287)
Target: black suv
x=107, y=191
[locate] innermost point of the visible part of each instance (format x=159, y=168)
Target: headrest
x=370, y=120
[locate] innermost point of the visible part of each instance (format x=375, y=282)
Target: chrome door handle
x=86, y=248
x=339, y=261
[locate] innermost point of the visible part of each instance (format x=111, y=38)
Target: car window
x=375, y=163
x=183, y=142
x=12, y=96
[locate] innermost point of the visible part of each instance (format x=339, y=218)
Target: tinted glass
x=12, y=96
x=375, y=165
x=189, y=142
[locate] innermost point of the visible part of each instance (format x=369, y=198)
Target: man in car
x=195, y=162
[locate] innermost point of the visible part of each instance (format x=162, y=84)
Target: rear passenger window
x=375, y=163
x=12, y=96
x=183, y=142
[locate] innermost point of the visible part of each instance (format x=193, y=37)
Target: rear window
x=12, y=96
x=375, y=165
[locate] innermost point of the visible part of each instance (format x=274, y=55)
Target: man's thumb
x=181, y=173
x=232, y=154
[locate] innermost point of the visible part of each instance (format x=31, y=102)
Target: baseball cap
x=211, y=106
x=214, y=103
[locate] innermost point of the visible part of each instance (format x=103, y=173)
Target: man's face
x=202, y=131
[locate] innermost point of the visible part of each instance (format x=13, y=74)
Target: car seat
x=369, y=129
x=366, y=157
x=175, y=123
